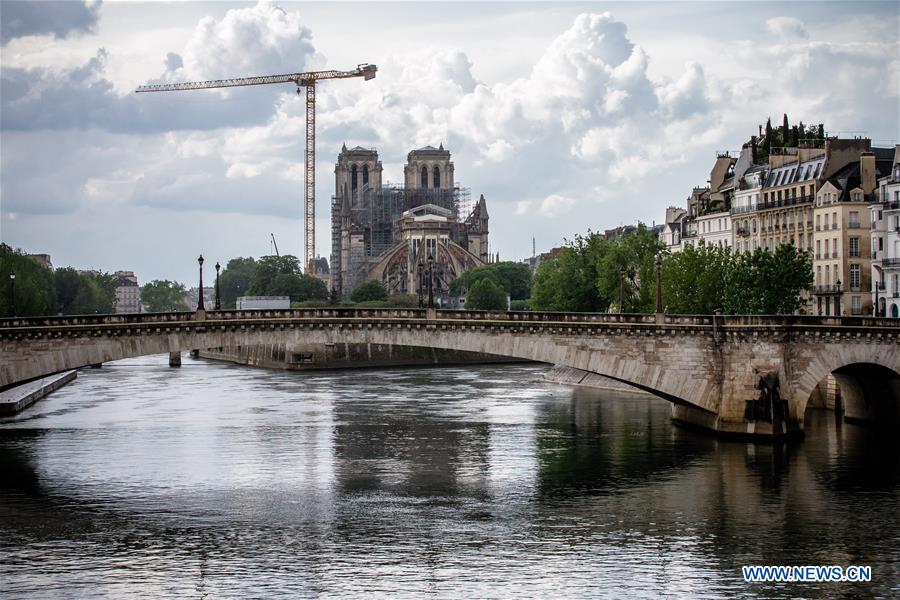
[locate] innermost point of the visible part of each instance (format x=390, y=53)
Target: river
x=214, y=480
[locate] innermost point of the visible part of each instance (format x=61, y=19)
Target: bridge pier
x=174, y=359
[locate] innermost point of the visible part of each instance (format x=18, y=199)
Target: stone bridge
x=720, y=372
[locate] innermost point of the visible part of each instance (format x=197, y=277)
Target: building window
x=834, y=220
x=827, y=274
x=854, y=247
x=437, y=177
x=855, y=305
x=854, y=219
x=854, y=278
x=424, y=179
x=365, y=177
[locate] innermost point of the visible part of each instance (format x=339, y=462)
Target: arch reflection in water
x=479, y=481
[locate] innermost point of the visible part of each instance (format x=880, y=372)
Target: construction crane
x=302, y=80
x=274, y=243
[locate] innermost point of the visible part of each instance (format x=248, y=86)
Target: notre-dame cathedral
x=395, y=234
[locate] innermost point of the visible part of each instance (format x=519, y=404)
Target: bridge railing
x=451, y=315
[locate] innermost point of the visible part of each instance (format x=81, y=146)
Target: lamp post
x=218, y=295
x=421, y=275
x=837, y=299
x=12, y=292
x=621, y=289
x=430, y=282
x=659, y=305
x=200, y=295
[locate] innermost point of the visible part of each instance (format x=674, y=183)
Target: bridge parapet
x=344, y=313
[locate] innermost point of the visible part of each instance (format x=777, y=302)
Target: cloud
x=257, y=40
x=787, y=27
x=59, y=19
x=248, y=41
x=555, y=205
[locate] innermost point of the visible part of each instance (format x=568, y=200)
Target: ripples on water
x=222, y=481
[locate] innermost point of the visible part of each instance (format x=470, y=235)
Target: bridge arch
x=869, y=376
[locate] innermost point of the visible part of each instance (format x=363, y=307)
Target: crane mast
x=302, y=80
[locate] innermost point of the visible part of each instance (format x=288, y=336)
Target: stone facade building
x=400, y=234
x=884, y=215
x=128, y=292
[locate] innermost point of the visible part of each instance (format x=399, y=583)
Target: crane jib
x=367, y=72
x=307, y=80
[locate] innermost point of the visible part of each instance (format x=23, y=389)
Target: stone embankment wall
x=572, y=376
x=348, y=356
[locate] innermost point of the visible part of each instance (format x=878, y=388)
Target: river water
x=217, y=481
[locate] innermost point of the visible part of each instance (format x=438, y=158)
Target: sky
x=567, y=117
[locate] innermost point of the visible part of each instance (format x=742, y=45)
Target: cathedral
x=397, y=234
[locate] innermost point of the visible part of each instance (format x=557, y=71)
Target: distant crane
x=307, y=80
x=274, y=243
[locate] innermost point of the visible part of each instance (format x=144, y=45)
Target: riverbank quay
x=18, y=398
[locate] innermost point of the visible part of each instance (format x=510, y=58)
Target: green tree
x=84, y=293
x=635, y=254
x=369, y=291
x=513, y=277
x=268, y=268
x=565, y=283
x=163, y=296
x=693, y=279
x=767, y=283
x=35, y=294
x=485, y=294
x=235, y=280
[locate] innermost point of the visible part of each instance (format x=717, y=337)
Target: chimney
x=867, y=172
x=753, y=148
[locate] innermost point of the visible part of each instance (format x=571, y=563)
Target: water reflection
x=219, y=480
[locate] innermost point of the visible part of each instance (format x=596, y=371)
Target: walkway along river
x=218, y=480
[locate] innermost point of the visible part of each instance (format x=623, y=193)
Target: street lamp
x=218, y=295
x=430, y=281
x=837, y=300
x=659, y=305
x=421, y=275
x=12, y=292
x=200, y=295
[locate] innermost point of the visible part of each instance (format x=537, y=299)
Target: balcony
x=743, y=231
x=890, y=262
x=834, y=225
x=826, y=290
x=818, y=228
x=853, y=225
x=809, y=224
x=834, y=255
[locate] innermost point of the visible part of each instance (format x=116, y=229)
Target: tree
x=84, y=293
x=267, y=269
x=515, y=278
x=163, y=296
x=768, y=283
x=636, y=255
x=312, y=288
x=35, y=294
x=485, y=294
x=368, y=291
x=235, y=279
x=692, y=280
x=565, y=283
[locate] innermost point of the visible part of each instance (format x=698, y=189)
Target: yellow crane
x=302, y=80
